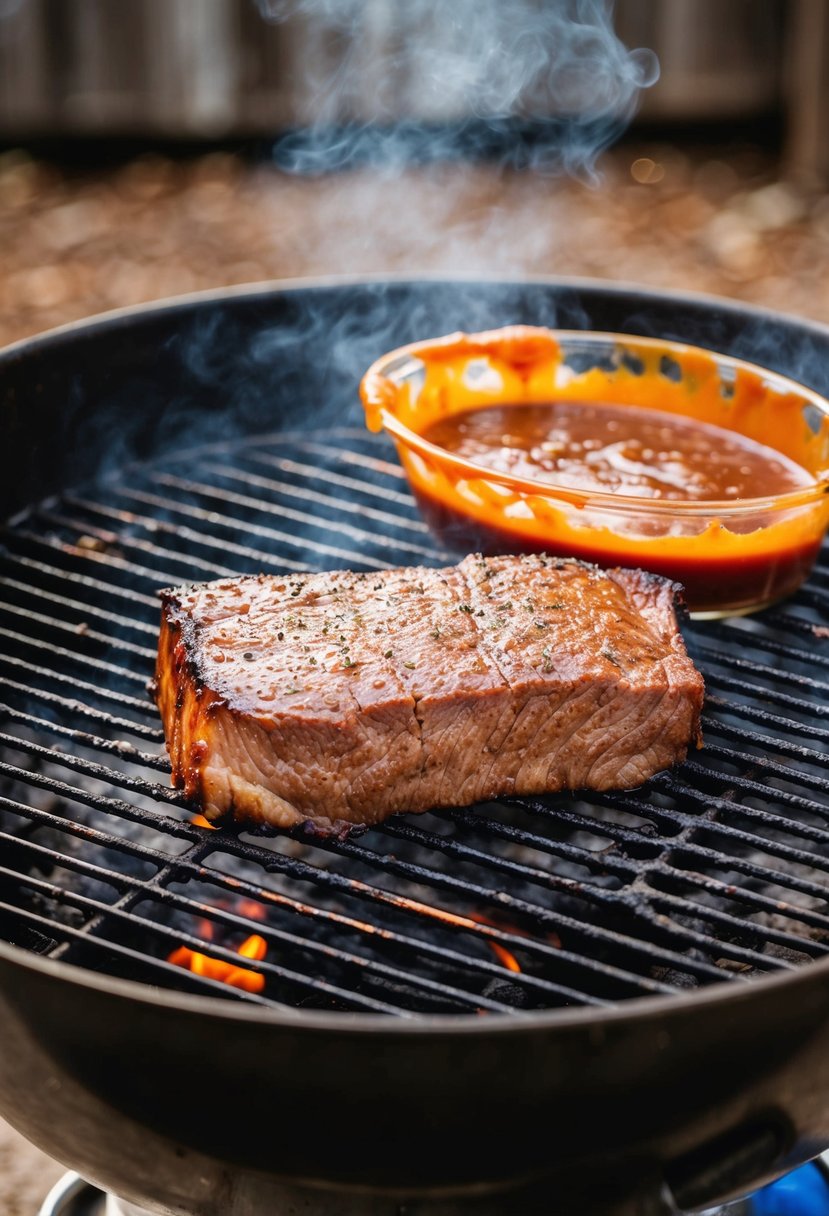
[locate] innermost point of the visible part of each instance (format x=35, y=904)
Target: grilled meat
x=355, y=696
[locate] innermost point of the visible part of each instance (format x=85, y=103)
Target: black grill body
x=668, y=1026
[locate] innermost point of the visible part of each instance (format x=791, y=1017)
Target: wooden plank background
x=215, y=67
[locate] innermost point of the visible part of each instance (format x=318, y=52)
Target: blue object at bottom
x=804, y=1192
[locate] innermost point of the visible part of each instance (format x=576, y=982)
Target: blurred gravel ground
x=74, y=244
x=26, y=1175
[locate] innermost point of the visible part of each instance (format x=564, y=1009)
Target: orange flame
x=504, y=956
x=253, y=947
x=201, y=822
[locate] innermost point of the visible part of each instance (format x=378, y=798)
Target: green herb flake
x=411, y=666
x=387, y=654
x=465, y=608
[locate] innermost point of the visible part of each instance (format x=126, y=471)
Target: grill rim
x=268, y=287
x=725, y=994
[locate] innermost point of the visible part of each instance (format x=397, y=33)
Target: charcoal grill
x=477, y=1008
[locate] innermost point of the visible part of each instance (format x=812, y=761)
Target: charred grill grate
x=716, y=871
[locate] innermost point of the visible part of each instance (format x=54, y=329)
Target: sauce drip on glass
x=620, y=450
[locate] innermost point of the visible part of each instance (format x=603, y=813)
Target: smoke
x=541, y=85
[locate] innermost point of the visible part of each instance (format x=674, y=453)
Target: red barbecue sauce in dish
x=614, y=449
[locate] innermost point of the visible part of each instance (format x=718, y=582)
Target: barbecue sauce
x=608, y=448
x=604, y=448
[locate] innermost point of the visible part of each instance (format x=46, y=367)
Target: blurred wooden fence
x=215, y=67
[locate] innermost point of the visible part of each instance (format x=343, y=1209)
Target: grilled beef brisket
x=354, y=696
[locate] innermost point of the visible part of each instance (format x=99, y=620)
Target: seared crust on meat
x=352, y=697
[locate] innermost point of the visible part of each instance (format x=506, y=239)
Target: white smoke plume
x=542, y=84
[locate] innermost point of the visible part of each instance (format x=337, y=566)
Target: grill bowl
x=730, y=556
x=112, y=1058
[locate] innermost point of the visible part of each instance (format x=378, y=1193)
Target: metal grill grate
x=718, y=870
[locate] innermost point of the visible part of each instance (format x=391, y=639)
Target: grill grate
x=715, y=871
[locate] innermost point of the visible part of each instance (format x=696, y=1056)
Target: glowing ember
x=253, y=947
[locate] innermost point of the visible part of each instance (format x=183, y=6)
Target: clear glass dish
x=731, y=556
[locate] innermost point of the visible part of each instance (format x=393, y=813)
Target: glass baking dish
x=731, y=556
